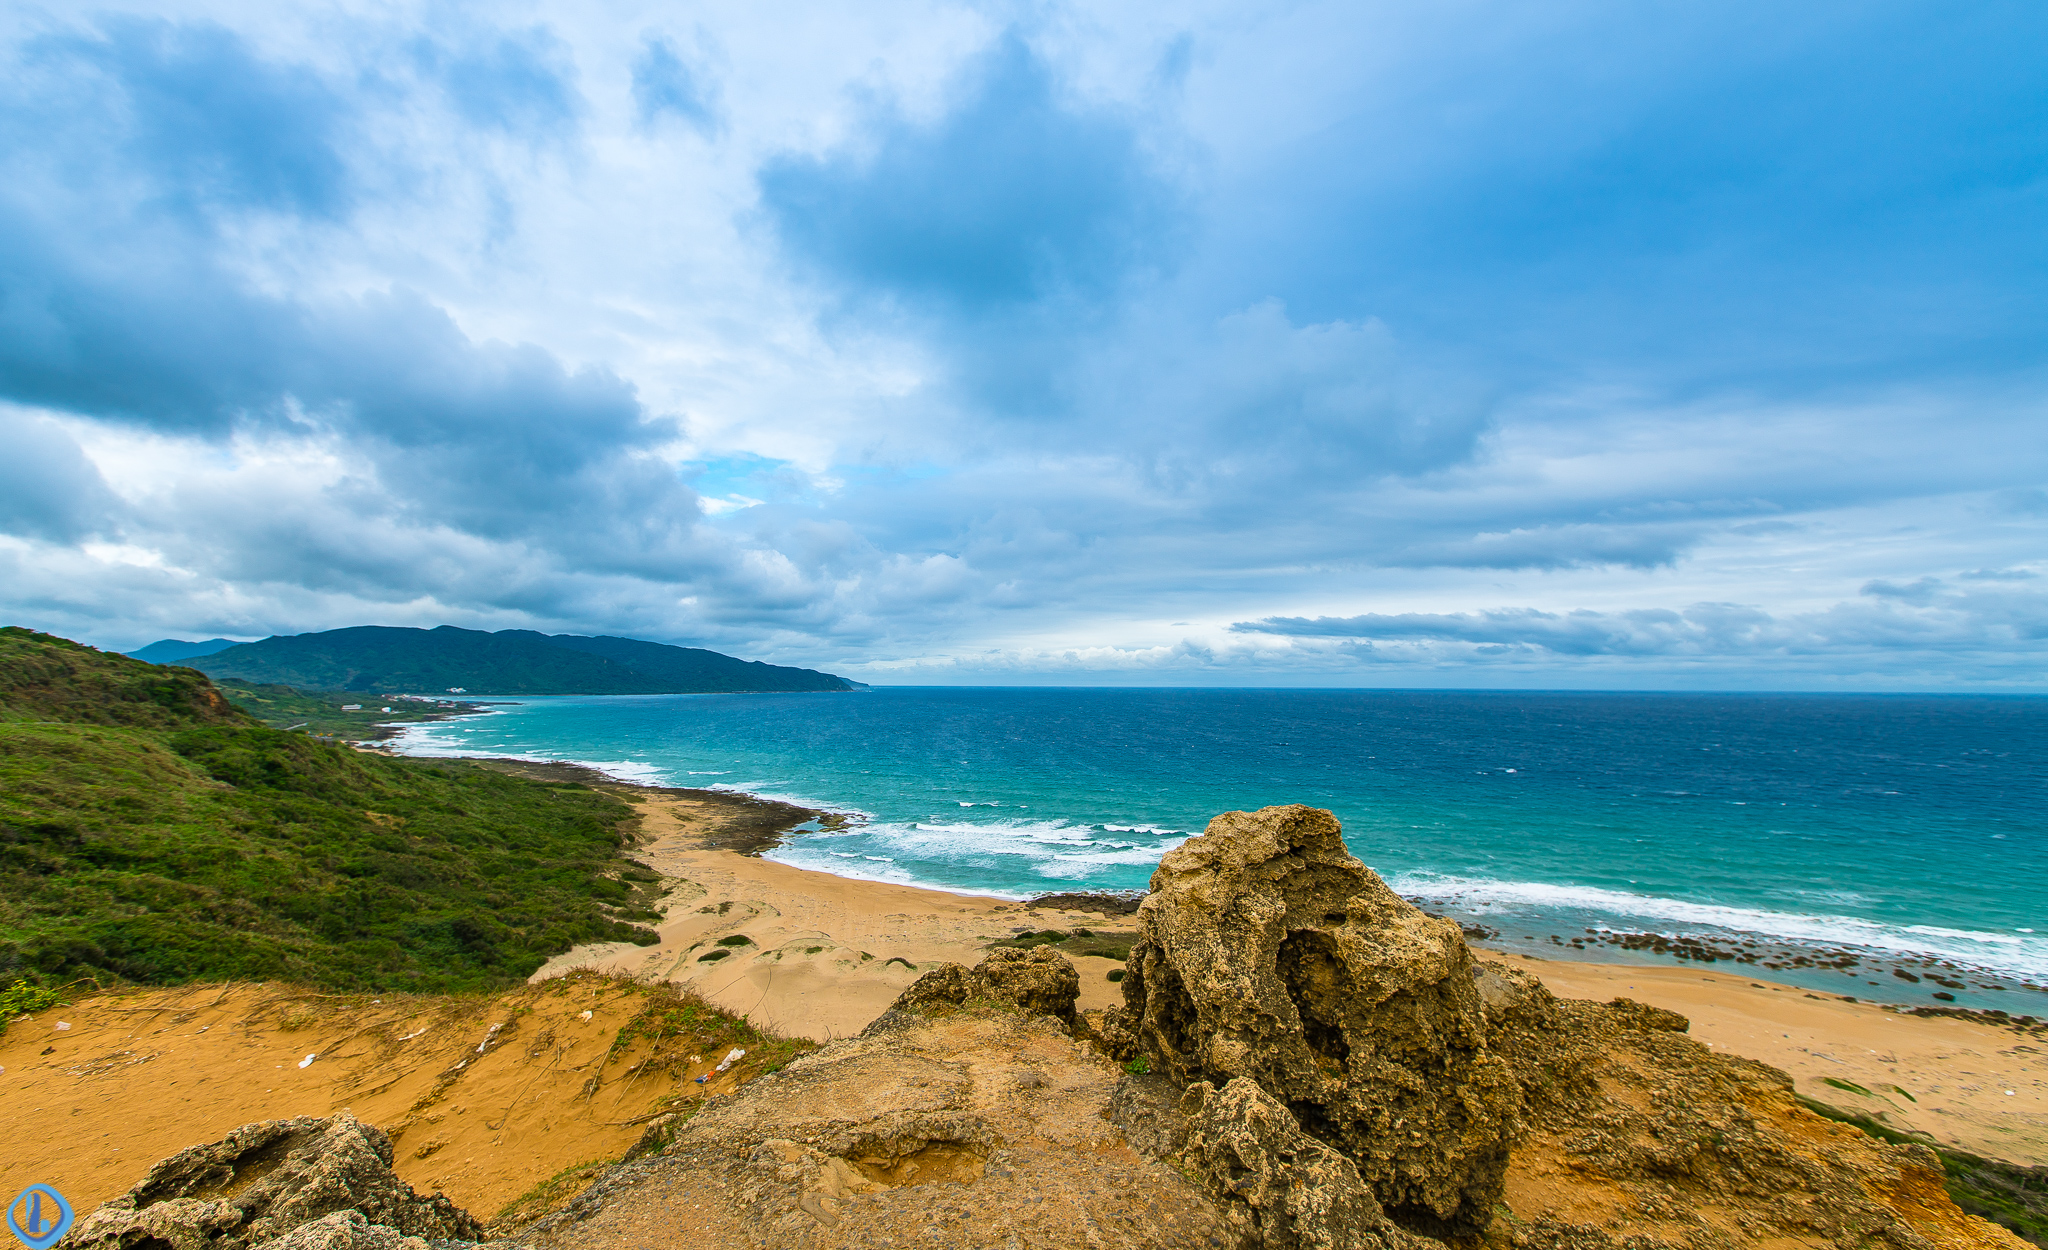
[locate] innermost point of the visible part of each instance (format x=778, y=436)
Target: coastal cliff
x=1301, y=1059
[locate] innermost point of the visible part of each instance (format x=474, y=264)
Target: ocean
x=1831, y=841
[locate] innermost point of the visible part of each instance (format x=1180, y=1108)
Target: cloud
x=517, y=82
x=192, y=105
x=1922, y=618
x=932, y=342
x=49, y=490
x=662, y=83
x=1015, y=195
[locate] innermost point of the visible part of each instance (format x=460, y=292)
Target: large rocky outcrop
x=301, y=1184
x=1267, y=952
x=1339, y=1072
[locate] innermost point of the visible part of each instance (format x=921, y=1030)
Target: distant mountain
x=384, y=660
x=176, y=651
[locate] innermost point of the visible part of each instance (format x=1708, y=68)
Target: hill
x=177, y=650
x=150, y=831
x=374, y=659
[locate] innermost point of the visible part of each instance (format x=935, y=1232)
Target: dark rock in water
x=301, y=1184
x=1105, y=904
x=1037, y=981
x=1268, y=953
x=1278, y=1186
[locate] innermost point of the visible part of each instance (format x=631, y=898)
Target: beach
x=823, y=955
x=137, y=1075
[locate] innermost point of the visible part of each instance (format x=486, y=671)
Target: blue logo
x=38, y=1216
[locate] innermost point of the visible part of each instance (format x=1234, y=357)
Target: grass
x=550, y=1195
x=674, y=1021
x=21, y=999
x=152, y=832
x=2008, y=1194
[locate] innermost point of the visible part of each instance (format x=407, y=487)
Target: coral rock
x=1038, y=982
x=272, y=1180
x=1279, y=1187
x=344, y=1230
x=1267, y=952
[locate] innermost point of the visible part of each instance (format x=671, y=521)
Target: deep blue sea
x=1914, y=827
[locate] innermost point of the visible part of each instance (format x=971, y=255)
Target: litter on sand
x=730, y=1060
x=308, y=1060
x=584, y=1016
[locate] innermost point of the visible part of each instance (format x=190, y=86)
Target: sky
x=1574, y=345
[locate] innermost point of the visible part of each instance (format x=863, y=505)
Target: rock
x=1147, y=1109
x=1096, y=901
x=344, y=1230
x=1267, y=952
x=1635, y=1015
x=972, y=1126
x=274, y=1179
x=1037, y=981
x=1277, y=1186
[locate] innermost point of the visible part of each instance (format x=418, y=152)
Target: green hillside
x=691, y=669
x=373, y=659
x=152, y=832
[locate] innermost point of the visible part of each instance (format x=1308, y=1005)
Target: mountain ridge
x=178, y=650
x=380, y=659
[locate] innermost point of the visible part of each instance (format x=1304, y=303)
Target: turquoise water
x=1904, y=826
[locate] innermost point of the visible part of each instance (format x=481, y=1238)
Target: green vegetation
x=49, y=679
x=550, y=1195
x=2004, y=1193
x=21, y=999
x=283, y=707
x=1139, y=1066
x=152, y=832
x=673, y=1019
x=373, y=658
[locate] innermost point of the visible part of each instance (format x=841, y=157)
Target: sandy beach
x=136, y=1075
x=819, y=956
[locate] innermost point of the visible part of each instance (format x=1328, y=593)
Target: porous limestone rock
x=1278, y=1187
x=267, y=1182
x=1268, y=952
x=344, y=1230
x=979, y=1126
x=1038, y=982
